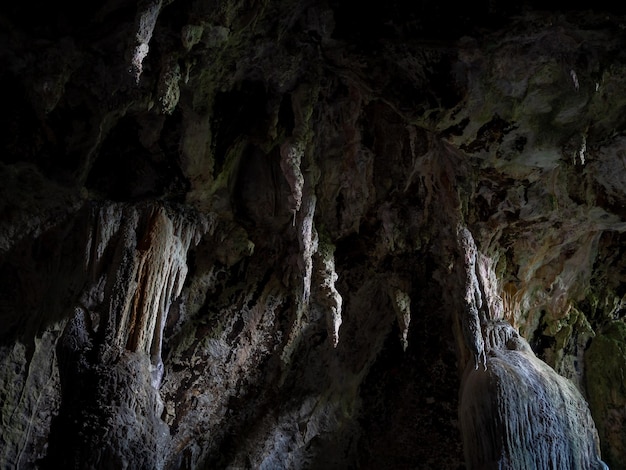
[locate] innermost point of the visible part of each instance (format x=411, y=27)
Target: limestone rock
x=275, y=234
x=519, y=413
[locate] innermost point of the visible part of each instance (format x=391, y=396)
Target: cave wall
x=230, y=231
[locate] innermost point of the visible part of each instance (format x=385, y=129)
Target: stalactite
x=149, y=250
x=136, y=264
x=160, y=274
x=471, y=320
x=327, y=294
x=148, y=12
x=119, y=280
x=294, y=153
x=308, y=243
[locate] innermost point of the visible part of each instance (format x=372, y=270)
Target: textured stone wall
x=275, y=234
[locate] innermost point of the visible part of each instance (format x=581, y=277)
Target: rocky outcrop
x=280, y=234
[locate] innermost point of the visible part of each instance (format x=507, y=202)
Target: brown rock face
x=298, y=234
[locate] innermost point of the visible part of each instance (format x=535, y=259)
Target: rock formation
x=518, y=413
x=293, y=234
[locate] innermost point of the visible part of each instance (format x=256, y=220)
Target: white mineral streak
x=473, y=302
x=329, y=297
x=521, y=414
x=146, y=21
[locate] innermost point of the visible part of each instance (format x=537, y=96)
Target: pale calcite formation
x=146, y=18
x=473, y=317
x=519, y=413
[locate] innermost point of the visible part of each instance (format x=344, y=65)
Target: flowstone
x=519, y=413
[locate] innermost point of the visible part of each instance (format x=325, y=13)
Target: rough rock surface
x=253, y=234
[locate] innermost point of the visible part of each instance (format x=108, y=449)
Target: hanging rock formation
x=292, y=234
